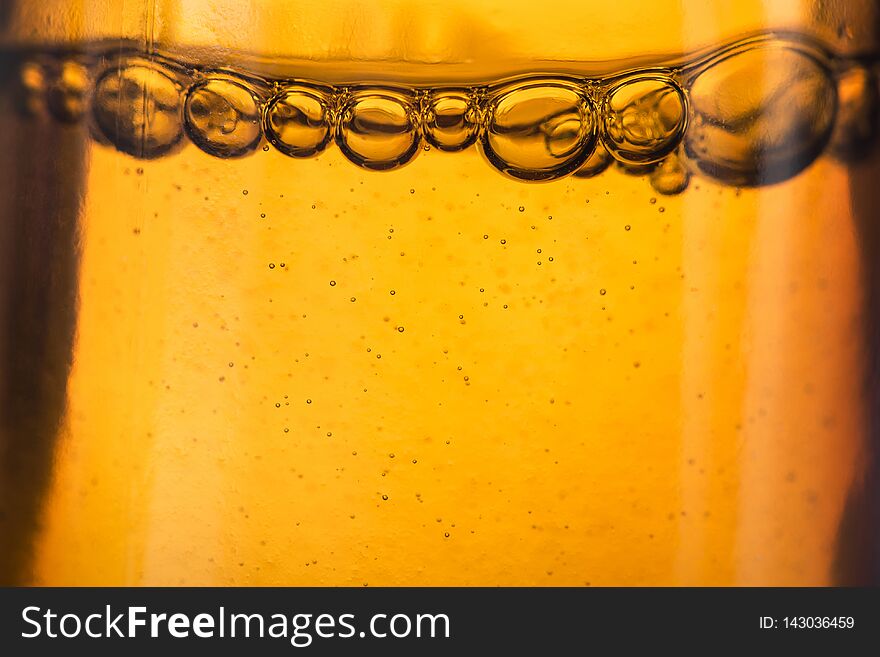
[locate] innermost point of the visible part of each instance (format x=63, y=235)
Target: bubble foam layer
x=754, y=112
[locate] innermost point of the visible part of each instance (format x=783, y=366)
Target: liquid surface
x=752, y=112
x=295, y=360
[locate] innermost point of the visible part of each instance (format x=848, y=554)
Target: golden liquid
x=298, y=371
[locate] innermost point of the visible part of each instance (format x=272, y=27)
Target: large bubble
x=138, y=107
x=223, y=117
x=539, y=130
x=760, y=115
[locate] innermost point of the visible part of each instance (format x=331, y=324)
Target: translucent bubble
x=298, y=122
x=223, y=117
x=378, y=130
x=138, y=109
x=32, y=81
x=68, y=92
x=451, y=120
x=857, y=113
x=595, y=164
x=760, y=115
x=539, y=130
x=643, y=119
x=670, y=176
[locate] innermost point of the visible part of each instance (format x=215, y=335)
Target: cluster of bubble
x=756, y=112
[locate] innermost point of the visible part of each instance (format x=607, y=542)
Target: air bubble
x=378, y=130
x=138, y=109
x=539, y=131
x=68, y=92
x=32, y=81
x=671, y=176
x=298, y=122
x=451, y=119
x=761, y=115
x=855, y=129
x=644, y=119
x=223, y=117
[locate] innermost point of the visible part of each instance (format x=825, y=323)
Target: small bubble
x=262, y=215
x=391, y=455
x=266, y=148
x=661, y=209
x=485, y=237
x=271, y=265
x=504, y=241
x=385, y=497
x=522, y=208
x=392, y=292
x=332, y=283
x=652, y=200
x=308, y=401
x=446, y=534
x=550, y=259
x=671, y=176
x=231, y=364
x=415, y=461
x=627, y=227
x=329, y=434
x=412, y=191
x=282, y=265
x=286, y=430
x=277, y=404
x=245, y=192
x=602, y=291
x=400, y=329
x=314, y=206
x=139, y=171
x=353, y=299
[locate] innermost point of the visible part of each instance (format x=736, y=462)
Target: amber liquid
x=278, y=366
